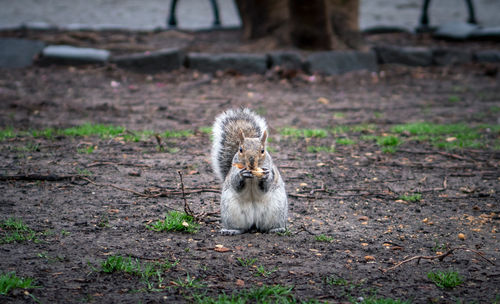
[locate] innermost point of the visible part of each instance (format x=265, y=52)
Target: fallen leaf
x=363, y=218
x=461, y=236
x=323, y=100
x=369, y=258
x=221, y=249
x=303, y=184
x=450, y=139
x=185, y=224
x=240, y=282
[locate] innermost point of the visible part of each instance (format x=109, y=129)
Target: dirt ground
x=351, y=194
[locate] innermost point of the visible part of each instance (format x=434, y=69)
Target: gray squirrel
x=253, y=192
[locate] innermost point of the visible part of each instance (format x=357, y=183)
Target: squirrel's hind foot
x=224, y=231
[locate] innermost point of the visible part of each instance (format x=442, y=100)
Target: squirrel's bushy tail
x=226, y=136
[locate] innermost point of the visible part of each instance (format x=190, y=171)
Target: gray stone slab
x=455, y=30
x=66, y=54
x=443, y=56
x=413, y=56
x=18, y=53
x=286, y=60
x=156, y=61
x=239, y=62
x=489, y=33
x=487, y=56
x=339, y=62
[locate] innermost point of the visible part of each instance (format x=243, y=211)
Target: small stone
x=73, y=55
x=340, y=62
x=461, y=236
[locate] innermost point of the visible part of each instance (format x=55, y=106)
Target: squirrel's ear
x=241, y=136
x=263, y=138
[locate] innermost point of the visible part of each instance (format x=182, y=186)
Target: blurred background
x=196, y=14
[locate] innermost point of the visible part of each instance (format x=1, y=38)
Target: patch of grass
x=447, y=136
x=493, y=109
x=206, y=130
x=175, y=221
x=261, y=270
x=264, y=294
x=345, y=141
x=285, y=233
x=246, y=262
x=150, y=273
x=306, y=133
x=388, y=143
x=10, y=281
x=323, y=238
x=89, y=129
x=360, y=128
x=188, y=283
x=453, y=98
x=28, y=147
x=7, y=133
x=83, y=172
x=446, y=278
x=14, y=230
x=337, y=281
x=88, y=150
x=48, y=133
x=439, y=246
x=338, y=115
x=411, y=198
x=176, y=134
x=318, y=149
x=374, y=300
x=136, y=136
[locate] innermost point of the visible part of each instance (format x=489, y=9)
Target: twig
x=303, y=228
x=39, y=177
x=114, y=164
x=440, y=257
x=186, y=206
x=119, y=188
x=160, y=144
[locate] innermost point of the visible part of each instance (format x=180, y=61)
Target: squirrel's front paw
x=246, y=173
x=265, y=173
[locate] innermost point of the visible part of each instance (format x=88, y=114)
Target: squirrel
x=253, y=192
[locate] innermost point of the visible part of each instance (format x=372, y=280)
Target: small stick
x=440, y=257
x=40, y=177
x=186, y=206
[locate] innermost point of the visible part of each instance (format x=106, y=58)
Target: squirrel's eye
x=262, y=151
x=241, y=150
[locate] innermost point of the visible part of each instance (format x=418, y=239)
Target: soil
x=99, y=204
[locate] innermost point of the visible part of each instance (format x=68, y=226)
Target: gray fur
x=247, y=201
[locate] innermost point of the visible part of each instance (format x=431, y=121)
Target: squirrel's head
x=252, y=150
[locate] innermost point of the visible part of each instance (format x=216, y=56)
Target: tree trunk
x=262, y=18
x=308, y=24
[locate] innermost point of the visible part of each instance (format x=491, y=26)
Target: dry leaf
x=323, y=100
x=461, y=236
x=221, y=249
x=240, y=282
x=363, y=218
x=369, y=258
